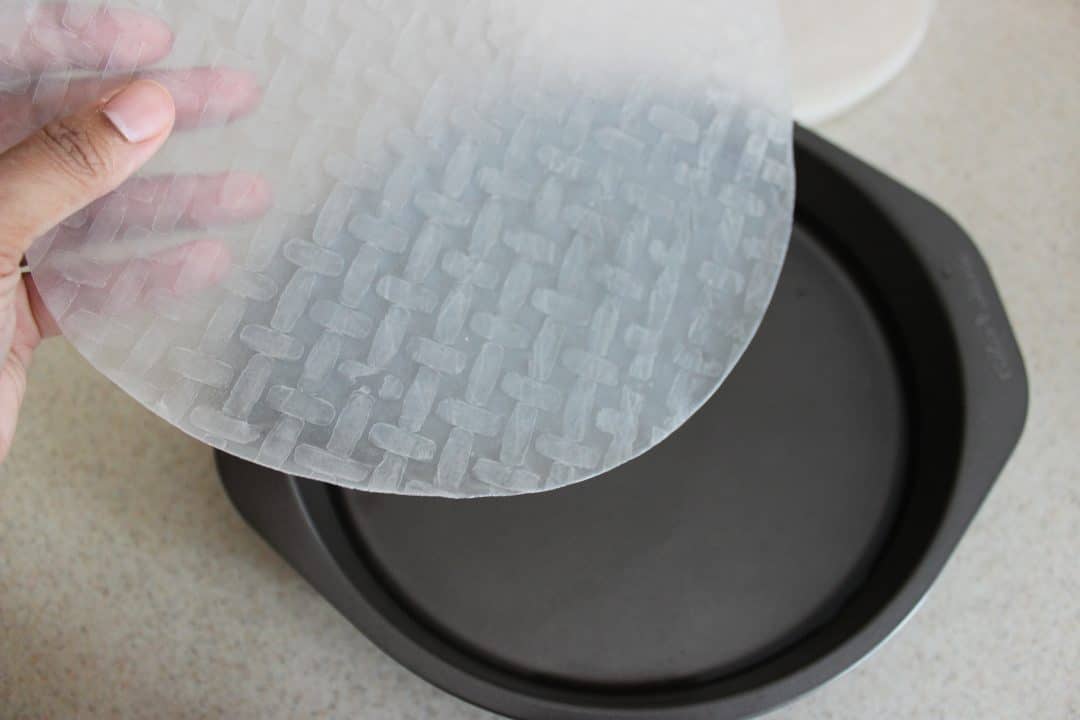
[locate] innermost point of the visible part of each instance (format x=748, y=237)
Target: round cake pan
x=765, y=548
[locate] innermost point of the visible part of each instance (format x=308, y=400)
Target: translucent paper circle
x=437, y=247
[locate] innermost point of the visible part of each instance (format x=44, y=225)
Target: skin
x=92, y=135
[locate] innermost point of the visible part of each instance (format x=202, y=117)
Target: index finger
x=57, y=36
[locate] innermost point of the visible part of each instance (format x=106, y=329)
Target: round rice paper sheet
x=437, y=247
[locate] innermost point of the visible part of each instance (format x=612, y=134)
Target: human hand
x=66, y=144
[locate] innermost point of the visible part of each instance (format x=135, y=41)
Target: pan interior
x=736, y=537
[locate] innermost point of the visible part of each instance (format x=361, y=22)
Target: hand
x=65, y=145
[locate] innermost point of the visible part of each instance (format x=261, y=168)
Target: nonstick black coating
x=747, y=528
x=772, y=542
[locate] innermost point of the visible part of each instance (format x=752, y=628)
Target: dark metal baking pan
x=766, y=547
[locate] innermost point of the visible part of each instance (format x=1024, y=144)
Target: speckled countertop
x=130, y=588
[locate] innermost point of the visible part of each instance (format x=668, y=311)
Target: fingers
x=210, y=96
x=133, y=284
x=203, y=97
x=232, y=92
x=72, y=162
x=59, y=35
x=181, y=202
x=131, y=221
x=46, y=323
x=13, y=372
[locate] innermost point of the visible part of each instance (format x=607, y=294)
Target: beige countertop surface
x=130, y=588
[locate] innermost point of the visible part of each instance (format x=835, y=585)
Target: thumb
x=73, y=161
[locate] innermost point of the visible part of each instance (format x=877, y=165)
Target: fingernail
x=242, y=192
x=141, y=111
x=206, y=264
